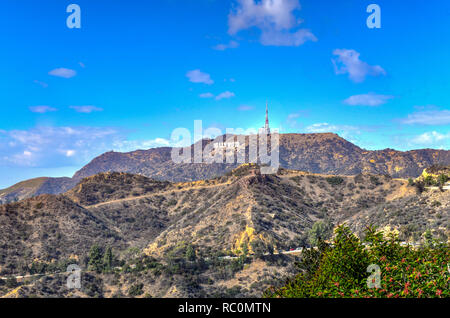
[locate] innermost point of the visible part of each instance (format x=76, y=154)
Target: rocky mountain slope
x=33, y=187
x=152, y=225
x=318, y=153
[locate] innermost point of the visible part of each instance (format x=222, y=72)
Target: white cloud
x=206, y=95
x=284, y=38
x=63, y=72
x=370, y=99
x=348, y=62
x=86, y=109
x=54, y=146
x=430, y=138
x=293, y=116
x=197, y=76
x=428, y=117
x=244, y=108
x=291, y=120
x=42, y=109
x=274, y=18
x=225, y=95
x=131, y=145
x=43, y=84
x=65, y=146
x=70, y=153
x=229, y=45
x=345, y=131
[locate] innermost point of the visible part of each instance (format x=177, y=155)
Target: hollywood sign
x=260, y=149
x=222, y=145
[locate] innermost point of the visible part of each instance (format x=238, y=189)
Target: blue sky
x=136, y=70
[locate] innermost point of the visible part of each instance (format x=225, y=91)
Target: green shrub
x=335, y=180
x=340, y=269
x=136, y=290
x=321, y=230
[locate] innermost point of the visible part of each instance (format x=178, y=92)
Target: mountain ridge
x=325, y=153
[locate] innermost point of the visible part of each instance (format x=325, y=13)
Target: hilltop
x=324, y=153
x=34, y=187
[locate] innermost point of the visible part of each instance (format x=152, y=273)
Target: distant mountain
x=33, y=187
x=325, y=153
x=318, y=153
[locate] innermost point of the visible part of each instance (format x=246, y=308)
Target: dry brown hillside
x=177, y=234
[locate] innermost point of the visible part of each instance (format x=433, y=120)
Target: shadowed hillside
x=180, y=232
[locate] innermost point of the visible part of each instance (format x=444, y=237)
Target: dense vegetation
x=340, y=269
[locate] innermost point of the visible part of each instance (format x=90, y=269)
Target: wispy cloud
x=348, y=62
x=131, y=145
x=286, y=38
x=274, y=18
x=197, y=76
x=225, y=95
x=42, y=84
x=370, y=99
x=431, y=139
x=42, y=109
x=63, y=72
x=346, y=131
x=230, y=45
x=206, y=95
x=428, y=117
x=292, y=118
x=86, y=109
x=55, y=147
x=245, y=108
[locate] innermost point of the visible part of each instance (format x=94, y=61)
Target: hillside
x=153, y=225
x=317, y=153
x=33, y=187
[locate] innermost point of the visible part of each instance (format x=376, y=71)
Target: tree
x=244, y=247
x=442, y=180
x=321, y=230
x=270, y=249
x=136, y=290
x=11, y=282
x=108, y=259
x=258, y=247
x=96, y=259
x=190, y=253
x=344, y=269
x=429, y=181
x=428, y=238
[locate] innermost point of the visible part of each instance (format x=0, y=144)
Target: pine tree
x=95, y=259
x=108, y=259
x=190, y=253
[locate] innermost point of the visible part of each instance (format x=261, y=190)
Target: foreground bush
x=341, y=269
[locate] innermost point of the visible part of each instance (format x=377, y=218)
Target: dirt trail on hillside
x=154, y=194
